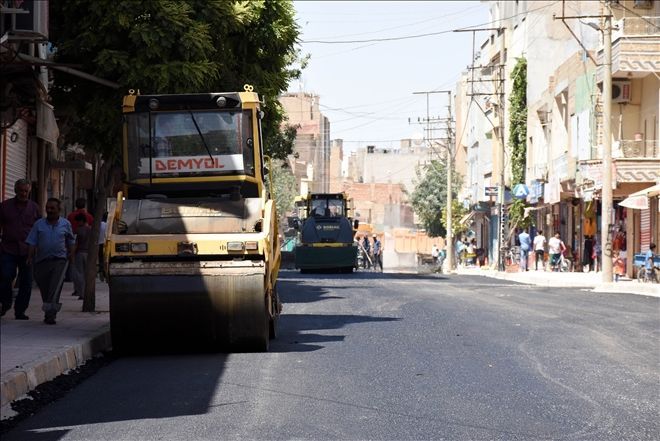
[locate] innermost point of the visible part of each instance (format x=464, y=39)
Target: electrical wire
x=428, y=34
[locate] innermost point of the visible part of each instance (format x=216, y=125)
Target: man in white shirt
x=555, y=248
x=435, y=252
x=539, y=249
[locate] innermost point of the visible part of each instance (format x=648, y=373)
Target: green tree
x=429, y=198
x=165, y=46
x=457, y=213
x=284, y=188
x=518, y=140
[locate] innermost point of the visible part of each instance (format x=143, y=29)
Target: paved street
x=394, y=356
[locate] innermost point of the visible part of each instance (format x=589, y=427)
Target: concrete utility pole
x=500, y=241
x=449, y=240
x=498, y=84
x=606, y=192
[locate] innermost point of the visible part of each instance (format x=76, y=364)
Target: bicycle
x=648, y=276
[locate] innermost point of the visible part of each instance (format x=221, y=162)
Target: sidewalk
x=32, y=352
x=591, y=280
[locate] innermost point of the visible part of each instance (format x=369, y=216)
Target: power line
x=409, y=24
x=428, y=34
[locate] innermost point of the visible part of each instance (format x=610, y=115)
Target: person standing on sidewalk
x=525, y=245
x=378, y=254
x=81, y=203
x=80, y=255
x=101, y=245
x=51, y=243
x=17, y=216
x=539, y=249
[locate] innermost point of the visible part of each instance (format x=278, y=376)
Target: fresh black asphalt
x=389, y=357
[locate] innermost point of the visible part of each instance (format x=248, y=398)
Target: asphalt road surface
x=393, y=356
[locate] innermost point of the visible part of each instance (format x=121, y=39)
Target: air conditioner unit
x=30, y=23
x=621, y=91
x=643, y=4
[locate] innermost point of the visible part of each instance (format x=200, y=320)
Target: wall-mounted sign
x=491, y=191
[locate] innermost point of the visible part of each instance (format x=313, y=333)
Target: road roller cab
x=192, y=245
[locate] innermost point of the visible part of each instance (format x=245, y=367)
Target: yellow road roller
x=192, y=252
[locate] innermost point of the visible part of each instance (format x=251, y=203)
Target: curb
x=629, y=287
x=22, y=379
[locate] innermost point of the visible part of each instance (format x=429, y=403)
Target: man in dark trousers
x=51, y=243
x=17, y=216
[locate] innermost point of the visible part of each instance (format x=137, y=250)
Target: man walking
x=51, y=243
x=378, y=254
x=367, y=252
x=539, y=249
x=17, y=216
x=555, y=248
x=525, y=245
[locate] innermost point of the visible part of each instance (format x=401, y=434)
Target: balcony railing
x=636, y=27
x=629, y=148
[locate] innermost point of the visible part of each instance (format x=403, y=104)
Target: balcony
x=635, y=43
x=632, y=149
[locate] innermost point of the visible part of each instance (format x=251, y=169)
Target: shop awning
x=640, y=199
x=464, y=220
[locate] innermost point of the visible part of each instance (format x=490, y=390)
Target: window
x=169, y=144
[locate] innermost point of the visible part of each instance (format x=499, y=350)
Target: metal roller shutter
x=14, y=157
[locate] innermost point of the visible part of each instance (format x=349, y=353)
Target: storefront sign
x=535, y=192
x=552, y=190
x=594, y=172
x=560, y=166
x=491, y=191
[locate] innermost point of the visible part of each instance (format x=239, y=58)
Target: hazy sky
x=366, y=87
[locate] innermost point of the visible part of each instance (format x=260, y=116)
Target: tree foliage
x=429, y=198
x=457, y=212
x=168, y=46
x=518, y=139
x=284, y=188
x=518, y=118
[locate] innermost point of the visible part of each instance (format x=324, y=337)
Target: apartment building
x=311, y=160
x=564, y=118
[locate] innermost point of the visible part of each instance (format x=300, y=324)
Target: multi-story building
x=335, y=167
x=312, y=145
x=30, y=138
x=635, y=123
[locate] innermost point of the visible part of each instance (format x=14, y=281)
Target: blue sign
x=520, y=191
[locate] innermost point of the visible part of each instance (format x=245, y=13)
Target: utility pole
x=606, y=193
x=498, y=84
x=449, y=245
x=502, y=152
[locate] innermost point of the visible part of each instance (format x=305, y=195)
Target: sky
x=366, y=88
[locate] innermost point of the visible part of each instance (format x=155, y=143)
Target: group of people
x=467, y=252
x=372, y=255
x=44, y=248
x=556, y=249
